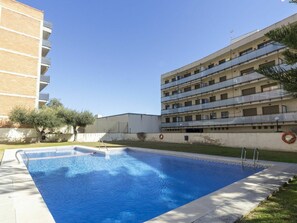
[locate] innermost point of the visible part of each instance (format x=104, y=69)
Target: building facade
x=24, y=46
x=126, y=123
x=223, y=93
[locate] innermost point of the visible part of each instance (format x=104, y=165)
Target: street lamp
x=276, y=119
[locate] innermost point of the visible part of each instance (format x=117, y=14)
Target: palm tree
x=286, y=75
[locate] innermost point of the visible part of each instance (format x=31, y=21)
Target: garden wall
x=267, y=141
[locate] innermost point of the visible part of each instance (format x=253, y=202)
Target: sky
x=108, y=55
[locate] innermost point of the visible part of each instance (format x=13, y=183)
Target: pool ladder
x=101, y=141
x=16, y=156
x=255, y=156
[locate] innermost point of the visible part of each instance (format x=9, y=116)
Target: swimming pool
x=125, y=186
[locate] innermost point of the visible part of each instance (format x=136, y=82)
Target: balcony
x=236, y=61
x=43, y=97
x=217, y=86
x=259, y=119
x=231, y=101
x=45, y=61
x=46, y=44
x=47, y=24
x=45, y=79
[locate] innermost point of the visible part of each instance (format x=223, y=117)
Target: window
x=205, y=117
x=249, y=112
x=268, y=64
x=222, y=61
x=174, y=92
x=174, y=119
x=166, y=94
x=197, y=102
x=247, y=71
x=187, y=89
x=175, y=106
x=225, y=114
x=212, y=99
x=246, y=51
x=197, y=86
x=211, y=82
x=198, y=117
x=249, y=91
x=210, y=66
x=167, y=120
x=269, y=110
x=173, y=79
x=224, y=96
x=179, y=119
x=188, y=103
x=224, y=78
x=213, y=115
x=188, y=118
x=166, y=81
x=187, y=75
x=167, y=107
x=261, y=45
x=269, y=87
x=204, y=100
x=196, y=71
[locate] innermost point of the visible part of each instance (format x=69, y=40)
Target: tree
x=286, y=75
x=54, y=103
x=41, y=120
x=75, y=119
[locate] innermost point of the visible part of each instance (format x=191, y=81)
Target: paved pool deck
x=21, y=202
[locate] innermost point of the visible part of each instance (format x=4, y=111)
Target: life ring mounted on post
x=289, y=137
x=161, y=136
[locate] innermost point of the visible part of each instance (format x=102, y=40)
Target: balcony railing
x=236, y=61
x=231, y=101
x=217, y=86
x=46, y=43
x=283, y=117
x=45, y=61
x=48, y=24
x=43, y=97
x=45, y=79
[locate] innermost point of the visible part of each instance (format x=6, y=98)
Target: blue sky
x=108, y=55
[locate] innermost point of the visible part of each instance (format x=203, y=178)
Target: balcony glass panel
x=283, y=117
x=230, y=101
x=236, y=61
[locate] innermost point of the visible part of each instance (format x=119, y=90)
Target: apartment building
x=223, y=93
x=24, y=46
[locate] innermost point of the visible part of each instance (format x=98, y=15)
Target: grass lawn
x=281, y=207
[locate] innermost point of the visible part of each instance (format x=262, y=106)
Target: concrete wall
x=15, y=135
x=267, y=141
x=125, y=123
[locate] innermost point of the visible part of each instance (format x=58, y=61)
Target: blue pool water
x=130, y=186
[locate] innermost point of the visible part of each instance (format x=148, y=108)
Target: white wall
x=267, y=141
x=10, y=135
x=126, y=123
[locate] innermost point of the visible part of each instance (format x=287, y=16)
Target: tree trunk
x=75, y=133
x=39, y=135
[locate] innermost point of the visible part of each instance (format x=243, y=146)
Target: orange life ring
x=290, y=139
x=161, y=136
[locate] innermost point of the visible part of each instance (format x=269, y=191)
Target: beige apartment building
x=223, y=93
x=24, y=46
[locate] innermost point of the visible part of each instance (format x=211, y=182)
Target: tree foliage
x=54, y=103
x=76, y=119
x=286, y=73
x=43, y=120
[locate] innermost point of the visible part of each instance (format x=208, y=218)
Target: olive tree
x=43, y=120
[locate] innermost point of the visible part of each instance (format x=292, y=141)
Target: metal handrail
x=256, y=156
x=101, y=141
x=16, y=156
x=243, y=155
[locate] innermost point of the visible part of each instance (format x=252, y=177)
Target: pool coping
x=20, y=200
